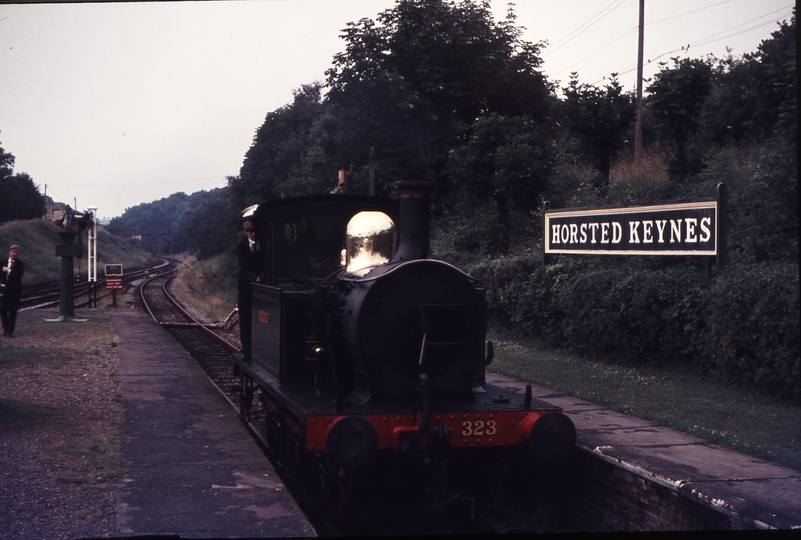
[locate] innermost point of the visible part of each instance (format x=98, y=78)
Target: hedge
x=742, y=327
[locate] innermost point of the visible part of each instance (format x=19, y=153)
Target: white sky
x=112, y=105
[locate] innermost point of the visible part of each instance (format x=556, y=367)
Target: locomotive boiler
x=369, y=352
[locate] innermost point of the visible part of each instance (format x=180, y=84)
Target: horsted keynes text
x=665, y=229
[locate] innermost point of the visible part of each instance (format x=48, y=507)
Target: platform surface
x=762, y=494
x=191, y=468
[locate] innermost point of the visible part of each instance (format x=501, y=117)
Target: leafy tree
x=601, y=119
x=211, y=225
x=273, y=163
x=203, y=223
x=677, y=101
x=20, y=198
x=6, y=164
x=161, y=214
x=506, y=162
x=755, y=96
x=412, y=84
x=778, y=82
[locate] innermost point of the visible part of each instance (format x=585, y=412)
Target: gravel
x=60, y=412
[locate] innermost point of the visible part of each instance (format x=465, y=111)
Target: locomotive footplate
x=498, y=417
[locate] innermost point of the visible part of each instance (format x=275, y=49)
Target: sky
x=115, y=104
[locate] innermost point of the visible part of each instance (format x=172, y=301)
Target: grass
x=38, y=239
x=209, y=286
x=676, y=397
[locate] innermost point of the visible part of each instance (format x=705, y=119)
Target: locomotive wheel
x=246, y=398
x=272, y=433
x=330, y=486
x=295, y=456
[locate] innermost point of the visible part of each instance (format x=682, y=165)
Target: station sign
x=114, y=283
x=689, y=228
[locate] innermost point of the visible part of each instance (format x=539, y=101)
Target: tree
x=6, y=164
x=676, y=99
x=755, y=96
x=601, y=119
x=504, y=164
x=412, y=84
x=778, y=84
x=273, y=162
x=19, y=196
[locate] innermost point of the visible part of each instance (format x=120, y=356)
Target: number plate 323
x=478, y=428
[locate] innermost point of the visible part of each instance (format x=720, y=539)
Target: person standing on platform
x=249, y=254
x=11, y=285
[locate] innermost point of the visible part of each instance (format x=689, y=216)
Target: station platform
x=191, y=468
x=751, y=492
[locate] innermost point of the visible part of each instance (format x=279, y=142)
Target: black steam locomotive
x=367, y=352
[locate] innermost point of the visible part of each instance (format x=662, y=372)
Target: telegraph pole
x=638, y=122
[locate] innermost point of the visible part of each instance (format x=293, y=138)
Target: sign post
x=114, y=281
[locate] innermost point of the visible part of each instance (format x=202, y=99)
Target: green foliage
x=504, y=166
x=6, y=163
x=412, y=84
x=282, y=150
x=753, y=315
x=210, y=227
x=601, y=119
x=19, y=196
x=676, y=101
x=755, y=96
x=210, y=285
x=204, y=223
x=742, y=328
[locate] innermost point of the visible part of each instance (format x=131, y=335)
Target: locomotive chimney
x=415, y=216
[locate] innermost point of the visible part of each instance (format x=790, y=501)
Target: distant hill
x=38, y=239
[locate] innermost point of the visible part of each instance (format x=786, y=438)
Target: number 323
x=478, y=428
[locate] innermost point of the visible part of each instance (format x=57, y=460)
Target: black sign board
x=667, y=229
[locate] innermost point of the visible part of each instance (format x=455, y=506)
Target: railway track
x=211, y=351
x=380, y=514
x=48, y=294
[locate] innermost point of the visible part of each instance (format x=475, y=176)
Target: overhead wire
x=584, y=27
x=702, y=41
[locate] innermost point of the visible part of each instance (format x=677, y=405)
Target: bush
x=642, y=315
x=742, y=328
x=753, y=315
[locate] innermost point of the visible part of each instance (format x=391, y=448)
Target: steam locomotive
x=367, y=352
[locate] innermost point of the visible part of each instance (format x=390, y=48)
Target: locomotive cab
x=305, y=239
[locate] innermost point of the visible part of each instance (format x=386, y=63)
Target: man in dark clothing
x=250, y=256
x=11, y=285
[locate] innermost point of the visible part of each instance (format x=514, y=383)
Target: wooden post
x=723, y=250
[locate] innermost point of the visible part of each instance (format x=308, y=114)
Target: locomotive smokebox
x=415, y=211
